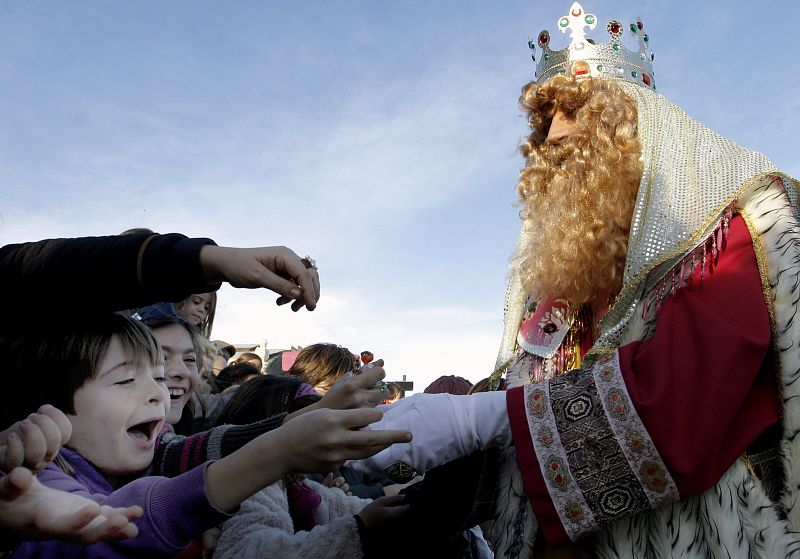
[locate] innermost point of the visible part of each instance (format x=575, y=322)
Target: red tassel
x=703, y=269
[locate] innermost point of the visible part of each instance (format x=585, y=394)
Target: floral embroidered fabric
x=596, y=458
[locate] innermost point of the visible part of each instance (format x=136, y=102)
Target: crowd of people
x=141, y=435
x=644, y=401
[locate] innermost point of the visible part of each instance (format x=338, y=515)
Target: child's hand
x=34, y=441
x=356, y=391
x=29, y=510
x=322, y=440
x=318, y=441
x=382, y=510
x=337, y=482
x=209, y=541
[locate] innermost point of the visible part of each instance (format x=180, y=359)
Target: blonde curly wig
x=577, y=194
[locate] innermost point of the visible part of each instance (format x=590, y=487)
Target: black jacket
x=66, y=280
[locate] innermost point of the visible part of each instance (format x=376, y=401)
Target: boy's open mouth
x=176, y=393
x=144, y=431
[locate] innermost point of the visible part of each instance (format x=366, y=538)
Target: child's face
x=118, y=413
x=196, y=308
x=180, y=367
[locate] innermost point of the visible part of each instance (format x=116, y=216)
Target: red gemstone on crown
x=616, y=28
x=646, y=79
x=544, y=39
x=640, y=25
x=576, y=12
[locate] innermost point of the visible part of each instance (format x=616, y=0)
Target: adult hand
x=383, y=510
x=276, y=268
x=29, y=510
x=34, y=441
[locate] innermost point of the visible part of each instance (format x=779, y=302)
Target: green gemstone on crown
x=615, y=46
x=634, y=28
x=635, y=74
x=546, y=56
x=563, y=22
x=589, y=19
x=646, y=38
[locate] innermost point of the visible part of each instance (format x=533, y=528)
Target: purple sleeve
x=176, y=510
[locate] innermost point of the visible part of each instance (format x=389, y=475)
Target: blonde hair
x=577, y=195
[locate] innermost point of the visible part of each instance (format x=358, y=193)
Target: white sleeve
x=445, y=427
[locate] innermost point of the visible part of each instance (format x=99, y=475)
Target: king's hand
x=445, y=427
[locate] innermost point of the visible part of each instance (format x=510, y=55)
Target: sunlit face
x=196, y=308
x=180, y=367
x=561, y=127
x=118, y=413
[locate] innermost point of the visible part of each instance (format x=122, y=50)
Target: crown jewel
x=585, y=57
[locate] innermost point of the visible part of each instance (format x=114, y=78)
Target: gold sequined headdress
x=586, y=57
x=691, y=175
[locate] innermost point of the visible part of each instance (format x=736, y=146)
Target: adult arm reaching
x=73, y=278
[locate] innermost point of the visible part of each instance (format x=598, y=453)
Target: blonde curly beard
x=577, y=196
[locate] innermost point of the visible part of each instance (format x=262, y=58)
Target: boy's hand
x=29, y=510
x=34, y=441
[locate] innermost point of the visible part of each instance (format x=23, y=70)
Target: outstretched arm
x=29, y=510
x=103, y=274
x=318, y=441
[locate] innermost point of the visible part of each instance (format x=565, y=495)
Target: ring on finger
x=309, y=262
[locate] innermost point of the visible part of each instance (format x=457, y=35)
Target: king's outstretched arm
x=650, y=423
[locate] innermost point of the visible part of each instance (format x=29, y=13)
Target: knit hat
x=157, y=312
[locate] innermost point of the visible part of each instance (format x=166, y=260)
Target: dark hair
x=395, y=391
x=265, y=396
x=50, y=366
x=249, y=357
x=237, y=373
x=449, y=384
x=323, y=364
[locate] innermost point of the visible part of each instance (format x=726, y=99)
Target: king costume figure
x=652, y=339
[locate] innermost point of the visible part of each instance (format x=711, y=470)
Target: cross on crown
x=586, y=57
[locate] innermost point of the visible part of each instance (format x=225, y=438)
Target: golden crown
x=585, y=57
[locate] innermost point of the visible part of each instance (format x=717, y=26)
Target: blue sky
x=379, y=137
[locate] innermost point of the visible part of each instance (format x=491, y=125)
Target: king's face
x=561, y=127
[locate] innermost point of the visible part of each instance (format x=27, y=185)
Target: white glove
x=445, y=427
